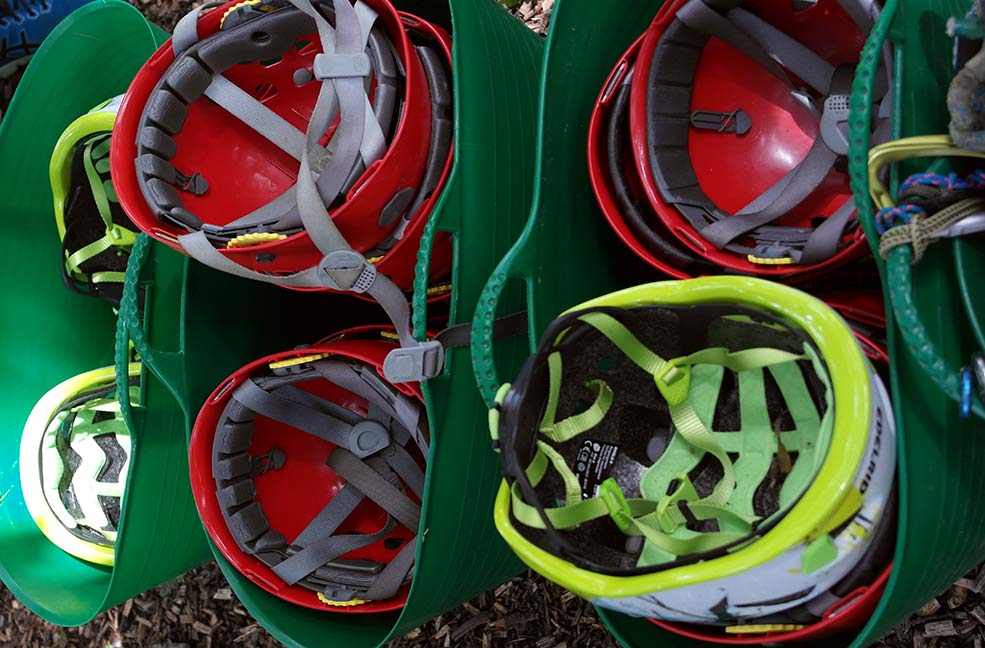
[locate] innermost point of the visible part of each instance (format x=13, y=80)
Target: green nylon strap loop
x=628, y=343
x=572, y=488
x=575, y=425
x=101, y=147
x=554, y=369
x=694, y=432
x=80, y=256
x=684, y=546
x=739, y=361
x=96, y=185
x=108, y=277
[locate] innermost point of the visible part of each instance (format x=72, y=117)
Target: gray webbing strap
x=864, y=13
x=703, y=19
x=286, y=411
x=307, y=399
x=331, y=517
x=811, y=68
x=375, y=487
x=198, y=246
x=366, y=384
x=326, y=548
x=808, y=176
x=346, y=65
x=825, y=240
x=257, y=116
x=404, y=465
x=373, y=144
x=388, y=581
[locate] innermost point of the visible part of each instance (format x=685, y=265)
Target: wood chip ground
x=200, y=610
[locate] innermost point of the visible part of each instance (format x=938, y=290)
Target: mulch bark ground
x=199, y=608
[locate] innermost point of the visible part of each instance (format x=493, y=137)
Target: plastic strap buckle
x=338, y=66
x=673, y=382
x=737, y=121
x=615, y=501
x=834, y=123
x=121, y=236
x=347, y=270
x=367, y=438
x=416, y=363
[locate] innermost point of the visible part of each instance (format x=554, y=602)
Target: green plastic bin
x=566, y=255
x=51, y=334
x=942, y=521
x=224, y=322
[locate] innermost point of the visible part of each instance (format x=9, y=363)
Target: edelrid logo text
x=876, y=446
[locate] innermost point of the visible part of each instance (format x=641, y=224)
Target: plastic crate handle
x=483, y=327
x=129, y=328
x=912, y=328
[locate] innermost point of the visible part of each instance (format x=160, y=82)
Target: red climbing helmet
x=718, y=141
x=308, y=472
x=217, y=127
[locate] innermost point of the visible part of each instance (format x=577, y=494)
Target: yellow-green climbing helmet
x=74, y=457
x=96, y=233
x=713, y=451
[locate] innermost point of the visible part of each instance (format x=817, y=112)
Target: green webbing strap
x=96, y=162
x=572, y=488
x=654, y=520
x=554, y=393
x=673, y=378
x=96, y=183
x=108, y=277
x=569, y=428
x=632, y=515
x=83, y=254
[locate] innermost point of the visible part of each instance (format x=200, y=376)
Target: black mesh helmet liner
x=638, y=414
x=84, y=225
x=315, y=558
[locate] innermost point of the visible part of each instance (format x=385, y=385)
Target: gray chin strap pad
x=370, y=455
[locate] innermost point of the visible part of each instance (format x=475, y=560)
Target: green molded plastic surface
x=941, y=482
x=53, y=334
x=567, y=253
x=563, y=257
x=225, y=322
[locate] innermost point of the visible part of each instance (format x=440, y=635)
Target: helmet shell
x=262, y=171
x=289, y=508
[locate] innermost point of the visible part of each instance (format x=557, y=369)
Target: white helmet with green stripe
x=74, y=459
x=713, y=451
